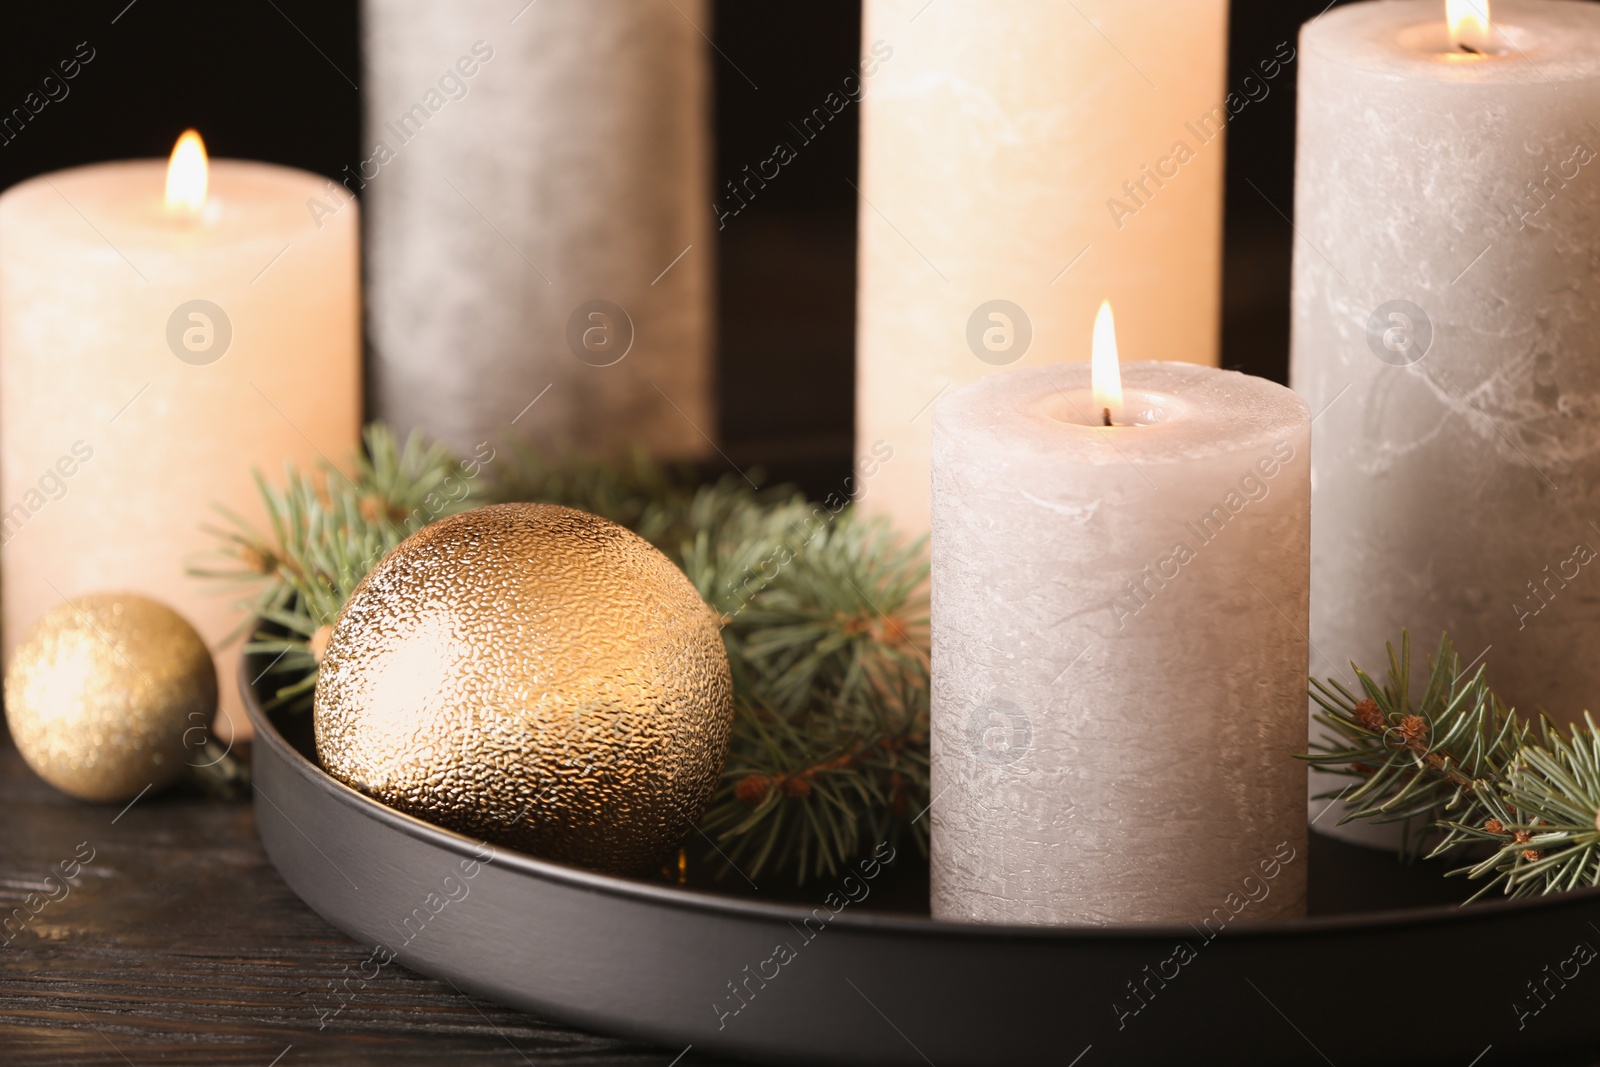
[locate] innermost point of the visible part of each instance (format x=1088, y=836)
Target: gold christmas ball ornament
x=110, y=694
x=535, y=676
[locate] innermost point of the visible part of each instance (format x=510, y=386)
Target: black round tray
x=1432, y=984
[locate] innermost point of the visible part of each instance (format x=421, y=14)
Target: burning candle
x=1445, y=311
x=1119, y=620
x=165, y=329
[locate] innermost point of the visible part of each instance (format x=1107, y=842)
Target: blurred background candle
x=1447, y=327
x=164, y=331
x=540, y=242
x=1118, y=644
x=1018, y=161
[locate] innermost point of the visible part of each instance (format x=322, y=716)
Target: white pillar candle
x=539, y=201
x=1447, y=325
x=1119, y=620
x=152, y=357
x=1020, y=161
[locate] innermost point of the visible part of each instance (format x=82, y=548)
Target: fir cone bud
x=1370, y=716
x=753, y=789
x=1495, y=826
x=797, y=787
x=375, y=506
x=1414, y=731
x=257, y=559
x=886, y=629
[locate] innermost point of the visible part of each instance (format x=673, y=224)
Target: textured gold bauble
x=535, y=676
x=104, y=693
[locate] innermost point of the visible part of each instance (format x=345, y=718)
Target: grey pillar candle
x=1446, y=325
x=1119, y=649
x=538, y=200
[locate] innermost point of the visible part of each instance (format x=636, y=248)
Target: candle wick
x=1107, y=415
x=1468, y=48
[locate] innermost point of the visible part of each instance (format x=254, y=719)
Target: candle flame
x=187, y=176
x=1104, y=370
x=1469, y=24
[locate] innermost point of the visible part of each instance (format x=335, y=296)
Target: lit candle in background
x=188, y=177
x=1119, y=620
x=1446, y=325
x=1018, y=162
x=165, y=328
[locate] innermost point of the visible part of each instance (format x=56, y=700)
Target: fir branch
x=326, y=531
x=1481, y=776
x=634, y=491
x=823, y=616
x=803, y=796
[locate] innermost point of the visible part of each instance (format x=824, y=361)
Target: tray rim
x=864, y=919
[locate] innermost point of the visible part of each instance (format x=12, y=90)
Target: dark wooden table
x=178, y=943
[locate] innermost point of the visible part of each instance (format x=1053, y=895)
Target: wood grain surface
x=177, y=943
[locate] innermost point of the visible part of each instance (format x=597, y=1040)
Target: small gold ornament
x=105, y=692
x=532, y=675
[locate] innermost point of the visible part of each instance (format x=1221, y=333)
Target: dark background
x=274, y=80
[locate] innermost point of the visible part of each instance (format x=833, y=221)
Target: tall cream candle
x=1119, y=618
x=1019, y=161
x=1447, y=326
x=151, y=357
x=539, y=203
